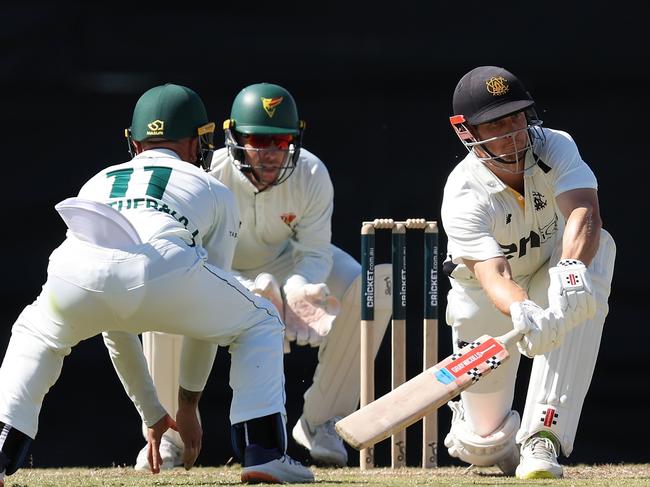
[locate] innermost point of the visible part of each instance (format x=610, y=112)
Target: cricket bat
x=425, y=392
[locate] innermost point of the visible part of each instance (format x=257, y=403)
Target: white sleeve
x=569, y=170
x=468, y=226
x=221, y=241
x=125, y=351
x=197, y=359
x=312, y=253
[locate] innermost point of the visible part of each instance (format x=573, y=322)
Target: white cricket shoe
x=539, y=459
x=324, y=444
x=172, y=456
x=283, y=470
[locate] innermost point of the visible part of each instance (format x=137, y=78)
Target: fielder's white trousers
x=162, y=285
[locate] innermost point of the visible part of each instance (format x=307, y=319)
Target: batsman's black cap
x=488, y=93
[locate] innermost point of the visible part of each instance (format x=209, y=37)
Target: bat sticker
x=469, y=361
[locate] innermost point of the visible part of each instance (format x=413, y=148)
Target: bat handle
x=511, y=338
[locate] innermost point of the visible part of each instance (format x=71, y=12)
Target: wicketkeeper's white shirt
x=294, y=216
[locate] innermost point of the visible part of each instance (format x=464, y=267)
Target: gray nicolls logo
x=539, y=201
x=508, y=218
x=387, y=291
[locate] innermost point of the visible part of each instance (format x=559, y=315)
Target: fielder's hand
x=154, y=436
x=189, y=427
x=309, y=312
x=570, y=292
x=543, y=329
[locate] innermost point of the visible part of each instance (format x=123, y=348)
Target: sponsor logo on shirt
x=532, y=240
x=288, y=218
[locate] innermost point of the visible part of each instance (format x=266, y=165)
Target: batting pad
x=560, y=379
x=335, y=391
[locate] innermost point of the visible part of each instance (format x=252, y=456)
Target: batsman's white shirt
x=164, y=284
x=292, y=220
x=483, y=218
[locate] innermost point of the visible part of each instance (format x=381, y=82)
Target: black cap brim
x=499, y=111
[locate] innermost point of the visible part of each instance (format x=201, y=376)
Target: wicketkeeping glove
x=267, y=286
x=570, y=292
x=309, y=312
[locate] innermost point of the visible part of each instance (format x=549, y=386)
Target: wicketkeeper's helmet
x=264, y=109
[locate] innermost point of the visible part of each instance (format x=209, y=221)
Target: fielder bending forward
x=142, y=241
x=284, y=253
x=525, y=247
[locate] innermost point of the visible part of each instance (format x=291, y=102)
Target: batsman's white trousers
x=559, y=380
x=162, y=285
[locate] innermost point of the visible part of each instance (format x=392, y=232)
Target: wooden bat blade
x=425, y=392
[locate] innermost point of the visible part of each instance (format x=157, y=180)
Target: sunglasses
x=280, y=141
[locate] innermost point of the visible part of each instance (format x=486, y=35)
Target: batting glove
x=543, y=329
x=570, y=292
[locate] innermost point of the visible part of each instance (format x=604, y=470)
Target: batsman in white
x=139, y=254
x=284, y=252
x=525, y=248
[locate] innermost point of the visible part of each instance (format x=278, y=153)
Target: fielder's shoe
x=280, y=470
x=172, y=456
x=539, y=459
x=324, y=444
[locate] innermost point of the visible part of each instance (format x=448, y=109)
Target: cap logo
x=497, y=85
x=157, y=127
x=270, y=104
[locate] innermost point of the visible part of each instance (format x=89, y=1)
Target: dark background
x=374, y=84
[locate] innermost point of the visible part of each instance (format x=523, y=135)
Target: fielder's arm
x=188, y=425
x=125, y=351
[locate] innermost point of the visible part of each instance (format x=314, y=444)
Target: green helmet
x=172, y=112
x=264, y=109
